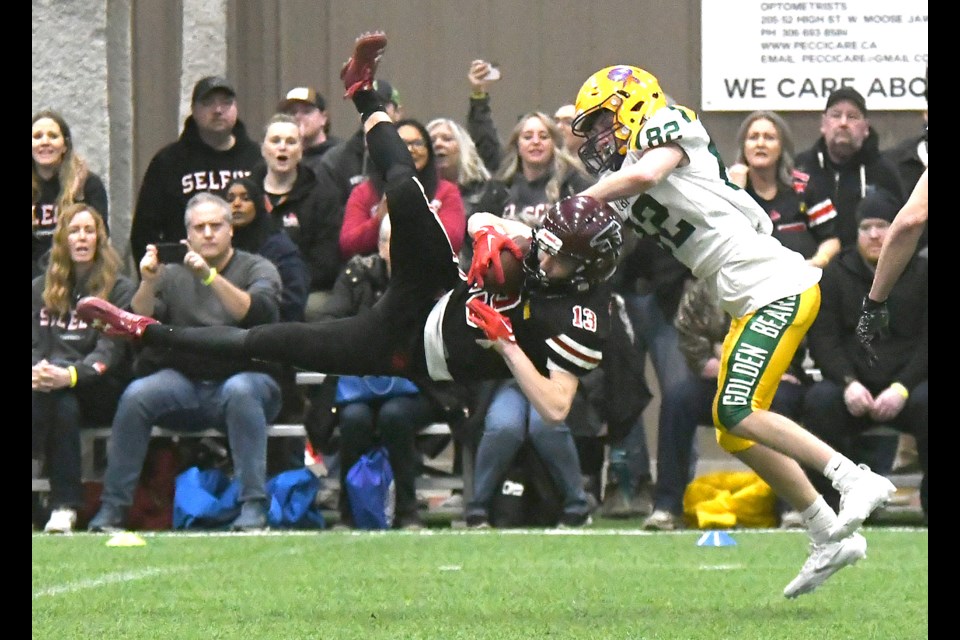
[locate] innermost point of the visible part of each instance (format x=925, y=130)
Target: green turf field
x=594, y=583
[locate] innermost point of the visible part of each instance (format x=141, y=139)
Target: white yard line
x=110, y=578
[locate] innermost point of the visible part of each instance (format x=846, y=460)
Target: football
x=512, y=271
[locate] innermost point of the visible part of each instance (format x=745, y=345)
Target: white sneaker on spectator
x=826, y=559
x=661, y=520
x=791, y=520
x=61, y=521
x=859, y=499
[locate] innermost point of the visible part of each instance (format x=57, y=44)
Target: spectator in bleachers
x=535, y=172
x=395, y=421
x=909, y=156
x=78, y=372
x=215, y=286
x=367, y=204
x=61, y=177
x=459, y=163
x=480, y=124
x=302, y=204
x=564, y=117
x=466, y=156
x=845, y=164
x=348, y=162
x=254, y=232
x=309, y=107
x=511, y=418
x=855, y=395
x=650, y=280
x=765, y=168
x=213, y=148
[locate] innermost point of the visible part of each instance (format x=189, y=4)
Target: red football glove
x=487, y=245
x=494, y=324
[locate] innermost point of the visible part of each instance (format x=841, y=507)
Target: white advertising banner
x=791, y=55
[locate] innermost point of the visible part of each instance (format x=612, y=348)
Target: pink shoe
x=111, y=319
x=357, y=73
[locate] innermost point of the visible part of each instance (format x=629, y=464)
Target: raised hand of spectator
x=858, y=399
x=738, y=174
x=477, y=75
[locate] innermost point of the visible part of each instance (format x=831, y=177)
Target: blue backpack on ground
x=370, y=490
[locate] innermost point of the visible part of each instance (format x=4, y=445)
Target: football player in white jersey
x=660, y=171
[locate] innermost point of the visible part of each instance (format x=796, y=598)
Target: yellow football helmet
x=632, y=95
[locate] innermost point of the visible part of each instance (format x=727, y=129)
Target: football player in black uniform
x=432, y=323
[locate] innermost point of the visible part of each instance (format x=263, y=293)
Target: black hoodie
x=176, y=173
x=311, y=215
x=846, y=185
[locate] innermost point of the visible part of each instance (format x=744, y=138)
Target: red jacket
x=360, y=230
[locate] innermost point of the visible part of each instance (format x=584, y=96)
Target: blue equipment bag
x=370, y=490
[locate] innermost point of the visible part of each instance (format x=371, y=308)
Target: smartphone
x=494, y=73
x=171, y=252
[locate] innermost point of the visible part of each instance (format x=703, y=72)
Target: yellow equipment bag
x=727, y=499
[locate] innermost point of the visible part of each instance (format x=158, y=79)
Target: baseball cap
x=850, y=95
x=205, y=85
x=303, y=94
x=386, y=92
x=878, y=203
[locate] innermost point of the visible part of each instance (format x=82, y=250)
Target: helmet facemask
x=607, y=138
x=537, y=279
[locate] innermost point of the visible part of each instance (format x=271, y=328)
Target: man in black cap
x=347, y=162
x=844, y=164
x=856, y=393
x=213, y=149
x=309, y=107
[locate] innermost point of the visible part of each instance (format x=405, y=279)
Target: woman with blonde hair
x=61, y=177
x=78, y=372
x=536, y=172
x=766, y=170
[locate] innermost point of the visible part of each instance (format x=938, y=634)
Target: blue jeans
x=242, y=406
x=504, y=430
x=58, y=417
x=656, y=336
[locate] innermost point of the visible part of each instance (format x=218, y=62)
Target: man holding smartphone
x=213, y=284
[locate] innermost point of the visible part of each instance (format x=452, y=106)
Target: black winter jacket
x=846, y=185
x=903, y=354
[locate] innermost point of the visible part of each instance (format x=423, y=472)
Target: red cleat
x=111, y=319
x=357, y=74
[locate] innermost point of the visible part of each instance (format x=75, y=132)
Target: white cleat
x=826, y=559
x=860, y=499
